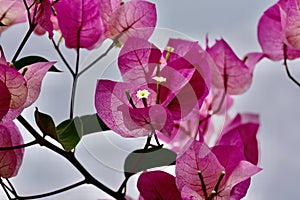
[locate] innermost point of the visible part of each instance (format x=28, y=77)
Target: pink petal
x=136, y=18
x=34, y=76
x=197, y=156
x=241, y=132
x=138, y=59
x=158, y=185
x=16, y=85
x=79, y=22
x=44, y=13
x=235, y=75
x=13, y=11
x=4, y=100
x=270, y=33
x=10, y=161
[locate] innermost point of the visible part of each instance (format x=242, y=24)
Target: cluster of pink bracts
x=172, y=94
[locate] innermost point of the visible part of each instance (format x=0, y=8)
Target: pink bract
x=271, y=30
x=43, y=16
x=13, y=11
x=79, y=22
x=10, y=161
x=16, y=85
x=138, y=59
x=197, y=156
x=291, y=29
x=231, y=73
x=181, y=81
x=23, y=90
x=136, y=18
x=34, y=76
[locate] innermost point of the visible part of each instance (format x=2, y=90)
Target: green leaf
x=28, y=60
x=45, y=124
x=92, y=124
x=140, y=160
x=69, y=133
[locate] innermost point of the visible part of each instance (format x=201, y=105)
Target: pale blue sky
x=272, y=95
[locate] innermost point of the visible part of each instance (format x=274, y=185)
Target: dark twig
x=71, y=158
x=19, y=146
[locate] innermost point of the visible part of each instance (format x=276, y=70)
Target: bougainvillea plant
x=170, y=97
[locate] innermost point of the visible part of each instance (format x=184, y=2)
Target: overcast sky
x=272, y=95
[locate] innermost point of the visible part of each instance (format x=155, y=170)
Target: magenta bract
x=157, y=185
x=43, y=16
x=241, y=132
x=5, y=98
x=231, y=73
x=10, y=161
x=79, y=22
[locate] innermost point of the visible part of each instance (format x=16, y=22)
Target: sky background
x=272, y=95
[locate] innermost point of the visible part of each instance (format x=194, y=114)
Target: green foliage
x=69, y=133
x=45, y=124
x=141, y=159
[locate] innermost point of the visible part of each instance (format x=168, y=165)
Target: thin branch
x=286, y=66
x=75, y=79
x=99, y=58
x=5, y=188
x=62, y=57
x=51, y=193
x=12, y=188
x=18, y=146
x=25, y=39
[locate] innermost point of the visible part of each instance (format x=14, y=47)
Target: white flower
x=142, y=94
